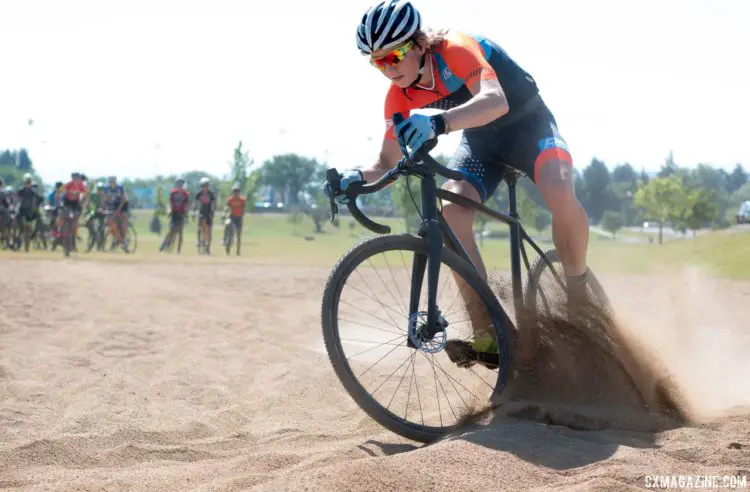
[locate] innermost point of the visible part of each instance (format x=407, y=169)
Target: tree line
x=676, y=196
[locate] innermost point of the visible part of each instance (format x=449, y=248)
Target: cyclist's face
x=401, y=64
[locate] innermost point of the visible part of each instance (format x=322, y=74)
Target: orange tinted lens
x=393, y=57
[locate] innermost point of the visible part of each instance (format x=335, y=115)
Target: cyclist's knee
x=555, y=181
x=456, y=215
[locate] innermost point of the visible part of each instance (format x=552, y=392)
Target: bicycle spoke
x=389, y=342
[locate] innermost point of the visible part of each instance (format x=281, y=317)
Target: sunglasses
x=394, y=57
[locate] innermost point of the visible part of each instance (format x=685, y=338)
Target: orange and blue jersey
x=460, y=61
x=525, y=138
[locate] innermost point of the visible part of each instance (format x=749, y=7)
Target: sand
x=208, y=375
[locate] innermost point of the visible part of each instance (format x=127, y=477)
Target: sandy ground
x=172, y=376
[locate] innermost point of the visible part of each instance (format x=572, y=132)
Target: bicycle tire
x=228, y=238
x=67, y=236
x=609, y=340
x=333, y=287
x=131, y=237
x=92, y=237
x=538, y=267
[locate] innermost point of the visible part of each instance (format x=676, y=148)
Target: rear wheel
x=420, y=394
x=67, y=234
x=131, y=237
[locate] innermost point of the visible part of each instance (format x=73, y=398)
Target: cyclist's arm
x=466, y=59
x=389, y=156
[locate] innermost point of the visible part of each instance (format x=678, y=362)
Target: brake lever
x=334, y=208
x=334, y=185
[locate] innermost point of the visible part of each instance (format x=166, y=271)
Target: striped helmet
x=387, y=24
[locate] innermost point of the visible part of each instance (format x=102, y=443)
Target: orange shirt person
x=74, y=194
x=236, y=208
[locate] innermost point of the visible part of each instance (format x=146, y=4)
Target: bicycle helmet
x=204, y=181
x=386, y=25
x=236, y=187
x=27, y=178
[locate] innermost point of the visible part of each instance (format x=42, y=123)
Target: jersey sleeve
x=395, y=102
x=465, y=57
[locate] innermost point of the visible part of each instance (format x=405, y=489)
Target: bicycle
x=202, y=244
x=66, y=232
x=127, y=233
x=96, y=226
x=40, y=233
x=423, y=334
x=174, y=230
x=230, y=230
x=13, y=239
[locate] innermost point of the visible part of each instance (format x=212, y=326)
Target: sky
x=146, y=87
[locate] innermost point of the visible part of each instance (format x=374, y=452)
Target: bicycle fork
x=431, y=231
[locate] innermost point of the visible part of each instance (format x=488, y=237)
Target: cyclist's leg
x=542, y=153
x=170, y=233
x=481, y=178
x=238, y=232
x=123, y=226
x=207, y=225
x=25, y=223
x=180, y=228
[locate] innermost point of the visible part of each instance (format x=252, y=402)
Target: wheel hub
x=421, y=337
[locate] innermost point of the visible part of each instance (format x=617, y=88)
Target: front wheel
x=403, y=379
x=228, y=237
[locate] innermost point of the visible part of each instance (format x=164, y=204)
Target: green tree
x=240, y=164
x=701, y=209
x=290, y=173
x=612, y=222
x=661, y=200
x=599, y=194
x=669, y=167
x=737, y=179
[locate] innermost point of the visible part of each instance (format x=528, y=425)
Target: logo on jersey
x=388, y=124
x=447, y=73
x=551, y=143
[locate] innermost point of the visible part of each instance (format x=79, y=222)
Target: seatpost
x=515, y=247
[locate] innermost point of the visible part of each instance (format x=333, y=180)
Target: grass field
x=271, y=238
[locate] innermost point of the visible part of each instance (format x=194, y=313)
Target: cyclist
x=205, y=202
x=4, y=209
x=235, y=208
x=73, y=195
x=95, y=217
x=179, y=204
x=28, y=209
x=478, y=88
x=116, y=202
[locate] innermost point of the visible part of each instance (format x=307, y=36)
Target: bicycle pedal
x=461, y=353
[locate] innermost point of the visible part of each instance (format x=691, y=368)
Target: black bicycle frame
x=436, y=231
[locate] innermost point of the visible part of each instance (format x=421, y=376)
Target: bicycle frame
x=436, y=231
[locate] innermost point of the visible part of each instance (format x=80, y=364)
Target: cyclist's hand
x=418, y=129
x=348, y=178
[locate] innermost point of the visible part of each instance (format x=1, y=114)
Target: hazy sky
x=141, y=87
